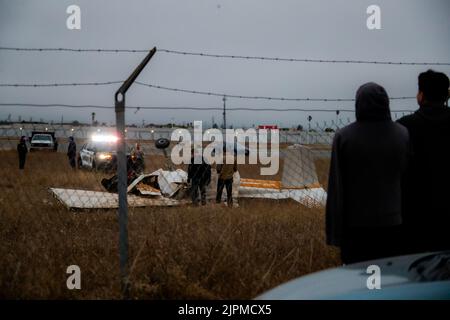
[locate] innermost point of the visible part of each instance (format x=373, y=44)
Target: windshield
x=42, y=137
x=107, y=147
x=104, y=146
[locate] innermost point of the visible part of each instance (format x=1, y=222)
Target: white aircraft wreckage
x=299, y=180
x=170, y=187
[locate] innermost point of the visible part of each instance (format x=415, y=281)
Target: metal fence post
x=122, y=172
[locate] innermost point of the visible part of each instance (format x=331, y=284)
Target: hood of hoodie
x=372, y=103
x=435, y=112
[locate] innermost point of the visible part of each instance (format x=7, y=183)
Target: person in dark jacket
x=369, y=156
x=199, y=176
x=426, y=188
x=72, y=152
x=22, y=151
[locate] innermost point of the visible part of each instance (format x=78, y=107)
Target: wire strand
x=228, y=56
x=197, y=92
x=63, y=84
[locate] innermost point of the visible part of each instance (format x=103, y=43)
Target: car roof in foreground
x=398, y=281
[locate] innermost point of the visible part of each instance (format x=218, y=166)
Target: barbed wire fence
x=54, y=176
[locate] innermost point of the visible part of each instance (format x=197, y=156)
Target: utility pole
x=224, y=112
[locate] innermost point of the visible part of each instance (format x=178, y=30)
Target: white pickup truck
x=43, y=141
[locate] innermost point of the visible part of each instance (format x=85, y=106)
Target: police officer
x=72, y=152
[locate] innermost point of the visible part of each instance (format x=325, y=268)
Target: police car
x=99, y=153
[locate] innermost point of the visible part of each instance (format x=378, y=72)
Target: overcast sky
x=412, y=30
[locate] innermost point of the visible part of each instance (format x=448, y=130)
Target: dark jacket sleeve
x=22, y=149
x=208, y=174
x=334, y=206
x=190, y=169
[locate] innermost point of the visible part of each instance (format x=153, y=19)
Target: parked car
x=417, y=276
x=43, y=141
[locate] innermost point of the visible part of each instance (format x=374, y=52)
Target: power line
x=228, y=56
x=197, y=92
x=272, y=109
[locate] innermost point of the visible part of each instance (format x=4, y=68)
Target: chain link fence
x=180, y=215
x=86, y=179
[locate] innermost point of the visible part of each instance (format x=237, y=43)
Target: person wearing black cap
x=22, y=151
x=426, y=188
x=369, y=156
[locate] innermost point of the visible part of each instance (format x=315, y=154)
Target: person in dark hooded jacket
x=426, y=188
x=22, y=151
x=368, y=158
x=72, y=152
x=199, y=176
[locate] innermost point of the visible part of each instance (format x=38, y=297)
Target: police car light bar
x=104, y=138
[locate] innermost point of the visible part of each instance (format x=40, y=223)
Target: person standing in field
x=225, y=173
x=426, y=188
x=199, y=176
x=22, y=151
x=369, y=156
x=138, y=159
x=72, y=152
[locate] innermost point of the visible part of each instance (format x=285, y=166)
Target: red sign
x=273, y=127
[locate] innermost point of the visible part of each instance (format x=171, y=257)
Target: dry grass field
x=209, y=252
